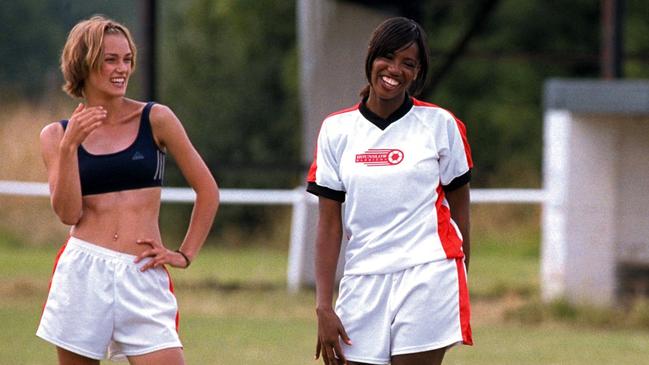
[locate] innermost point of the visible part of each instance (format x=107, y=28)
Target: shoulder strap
x=147, y=110
x=145, y=122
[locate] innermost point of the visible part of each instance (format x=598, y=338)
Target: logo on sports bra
x=137, y=156
x=380, y=157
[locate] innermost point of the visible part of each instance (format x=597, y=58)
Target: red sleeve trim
x=314, y=166
x=460, y=126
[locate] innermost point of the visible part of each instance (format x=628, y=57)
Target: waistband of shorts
x=94, y=249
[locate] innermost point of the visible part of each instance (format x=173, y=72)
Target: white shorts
x=100, y=305
x=422, y=308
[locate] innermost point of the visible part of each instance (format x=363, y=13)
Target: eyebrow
x=117, y=54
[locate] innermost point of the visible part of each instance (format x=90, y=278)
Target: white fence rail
x=298, y=198
x=276, y=197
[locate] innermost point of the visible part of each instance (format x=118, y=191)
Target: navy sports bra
x=140, y=165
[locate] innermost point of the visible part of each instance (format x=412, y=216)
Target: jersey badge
x=380, y=157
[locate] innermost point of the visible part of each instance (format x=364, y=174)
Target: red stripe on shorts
x=171, y=289
x=56, y=263
x=465, y=307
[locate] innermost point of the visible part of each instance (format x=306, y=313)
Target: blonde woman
x=110, y=294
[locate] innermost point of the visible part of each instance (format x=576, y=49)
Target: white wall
x=596, y=174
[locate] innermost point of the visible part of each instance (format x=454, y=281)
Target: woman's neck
x=116, y=108
x=383, y=107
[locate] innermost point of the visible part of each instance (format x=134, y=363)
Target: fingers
x=147, y=241
x=328, y=356
x=160, y=255
x=317, y=350
x=82, y=113
x=78, y=109
x=90, y=118
x=83, y=121
x=331, y=337
x=338, y=353
x=344, y=336
x=331, y=351
x=333, y=355
x=157, y=253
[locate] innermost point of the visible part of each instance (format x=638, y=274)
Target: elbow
x=66, y=207
x=69, y=219
x=215, y=197
x=209, y=194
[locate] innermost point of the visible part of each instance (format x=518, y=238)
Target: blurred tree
x=26, y=50
x=496, y=87
x=32, y=33
x=229, y=68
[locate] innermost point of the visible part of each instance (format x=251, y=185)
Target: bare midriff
x=116, y=220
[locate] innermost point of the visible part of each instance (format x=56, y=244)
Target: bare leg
x=433, y=357
x=70, y=358
x=172, y=356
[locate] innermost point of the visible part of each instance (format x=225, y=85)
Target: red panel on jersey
x=451, y=242
x=460, y=126
x=314, y=166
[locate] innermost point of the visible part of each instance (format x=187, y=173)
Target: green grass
x=235, y=310
x=551, y=344
x=498, y=267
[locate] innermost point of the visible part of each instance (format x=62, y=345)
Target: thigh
x=172, y=356
x=430, y=312
x=433, y=357
x=146, y=318
x=78, y=313
x=362, y=306
x=70, y=358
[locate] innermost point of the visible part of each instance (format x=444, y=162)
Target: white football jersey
x=392, y=174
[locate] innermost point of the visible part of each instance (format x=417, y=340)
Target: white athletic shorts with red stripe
x=422, y=308
x=100, y=305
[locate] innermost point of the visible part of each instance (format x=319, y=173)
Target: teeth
x=390, y=81
x=119, y=80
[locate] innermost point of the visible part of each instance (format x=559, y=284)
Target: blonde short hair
x=83, y=51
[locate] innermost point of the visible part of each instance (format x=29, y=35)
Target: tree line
x=229, y=69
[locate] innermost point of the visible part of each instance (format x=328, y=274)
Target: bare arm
x=327, y=249
x=460, y=201
x=170, y=133
x=59, y=151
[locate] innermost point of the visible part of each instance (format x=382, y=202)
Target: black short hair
x=392, y=35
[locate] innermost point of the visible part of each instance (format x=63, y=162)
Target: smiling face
x=111, y=79
x=393, y=73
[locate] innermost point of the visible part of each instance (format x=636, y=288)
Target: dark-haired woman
x=110, y=294
x=402, y=167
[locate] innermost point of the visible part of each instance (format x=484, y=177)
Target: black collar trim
x=384, y=123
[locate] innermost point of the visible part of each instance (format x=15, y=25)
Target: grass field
x=235, y=310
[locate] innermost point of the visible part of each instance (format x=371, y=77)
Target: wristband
x=187, y=260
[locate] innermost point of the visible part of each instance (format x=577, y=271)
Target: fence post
x=298, y=236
